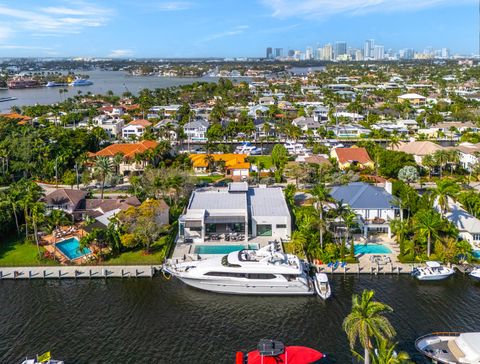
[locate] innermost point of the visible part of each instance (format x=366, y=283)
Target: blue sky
x=228, y=28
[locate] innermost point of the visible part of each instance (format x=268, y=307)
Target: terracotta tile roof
x=15, y=116
x=232, y=161
x=141, y=122
x=129, y=150
x=359, y=155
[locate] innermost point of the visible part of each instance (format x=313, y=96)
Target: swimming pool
x=71, y=248
x=372, y=249
x=222, y=249
x=476, y=254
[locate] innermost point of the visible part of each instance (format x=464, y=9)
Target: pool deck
x=138, y=271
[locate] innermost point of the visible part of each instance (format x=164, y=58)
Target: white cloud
x=173, y=6
x=121, y=53
x=240, y=29
x=54, y=20
x=323, y=8
x=5, y=33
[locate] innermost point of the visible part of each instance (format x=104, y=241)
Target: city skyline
x=120, y=29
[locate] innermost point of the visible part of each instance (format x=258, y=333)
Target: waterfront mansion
x=237, y=211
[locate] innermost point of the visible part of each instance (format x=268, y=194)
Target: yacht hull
x=434, y=278
x=261, y=288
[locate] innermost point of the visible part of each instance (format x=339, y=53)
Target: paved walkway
x=139, y=271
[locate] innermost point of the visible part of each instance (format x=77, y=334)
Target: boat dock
x=359, y=268
x=76, y=272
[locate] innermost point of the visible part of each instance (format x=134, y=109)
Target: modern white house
x=307, y=124
x=372, y=204
x=237, y=209
x=135, y=128
x=196, y=130
x=112, y=125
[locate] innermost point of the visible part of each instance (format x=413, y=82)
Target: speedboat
x=274, y=352
x=450, y=347
x=81, y=82
x=5, y=99
x=433, y=271
x=266, y=271
x=322, y=286
x=49, y=361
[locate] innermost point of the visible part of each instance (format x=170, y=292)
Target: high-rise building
x=278, y=52
x=269, y=53
x=319, y=54
x=445, y=53
x=378, y=52
x=328, y=52
x=368, y=48
x=340, y=49
x=309, y=53
x=407, y=53
x=358, y=55
x=291, y=52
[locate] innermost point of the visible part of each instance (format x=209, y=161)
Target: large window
x=281, y=226
x=264, y=230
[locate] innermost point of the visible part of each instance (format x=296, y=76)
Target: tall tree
x=428, y=222
x=321, y=194
x=445, y=190
x=367, y=321
x=103, y=169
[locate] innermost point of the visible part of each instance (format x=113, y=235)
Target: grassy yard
x=210, y=179
x=138, y=257
x=15, y=253
x=266, y=159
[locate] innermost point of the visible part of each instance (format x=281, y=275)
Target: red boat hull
x=292, y=355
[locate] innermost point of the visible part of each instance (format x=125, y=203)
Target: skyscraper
x=309, y=53
x=368, y=48
x=340, y=49
x=328, y=52
x=278, y=52
x=291, y=53
x=269, y=53
x=378, y=52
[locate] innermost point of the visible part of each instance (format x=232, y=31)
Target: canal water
x=159, y=321
x=103, y=81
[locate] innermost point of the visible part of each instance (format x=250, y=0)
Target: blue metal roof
x=360, y=195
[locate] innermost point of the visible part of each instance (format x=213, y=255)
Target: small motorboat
x=433, y=271
x=275, y=352
x=45, y=358
x=322, y=286
x=475, y=273
x=450, y=347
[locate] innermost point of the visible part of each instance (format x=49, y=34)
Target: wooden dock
x=79, y=272
x=356, y=268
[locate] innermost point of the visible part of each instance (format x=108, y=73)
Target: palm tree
x=429, y=162
x=38, y=216
x=445, y=189
x=321, y=194
x=400, y=228
x=385, y=354
x=441, y=157
x=366, y=321
x=56, y=219
x=350, y=219
x=116, y=161
x=427, y=223
x=103, y=169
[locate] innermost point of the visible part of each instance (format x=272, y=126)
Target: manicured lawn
x=210, y=179
x=137, y=257
x=266, y=159
x=15, y=253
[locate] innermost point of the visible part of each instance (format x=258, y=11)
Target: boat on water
x=475, y=273
x=5, y=99
x=45, y=358
x=265, y=271
x=275, y=352
x=450, y=347
x=81, y=82
x=294, y=148
x=433, y=271
x=322, y=286
x=248, y=149
x=56, y=84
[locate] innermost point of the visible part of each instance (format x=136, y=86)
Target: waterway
x=103, y=81
x=158, y=321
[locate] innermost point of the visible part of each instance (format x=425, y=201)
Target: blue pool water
x=476, y=254
x=221, y=249
x=372, y=249
x=71, y=248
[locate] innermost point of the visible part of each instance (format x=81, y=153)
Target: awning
x=225, y=219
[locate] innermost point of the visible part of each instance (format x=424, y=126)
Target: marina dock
x=359, y=268
x=76, y=272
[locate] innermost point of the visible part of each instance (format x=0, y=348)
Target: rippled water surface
x=158, y=321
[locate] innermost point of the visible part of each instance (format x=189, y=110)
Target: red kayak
x=274, y=352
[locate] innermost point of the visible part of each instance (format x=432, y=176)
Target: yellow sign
x=44, y=357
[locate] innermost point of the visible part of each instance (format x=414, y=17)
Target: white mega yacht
x=433, y=271
x=475, y=273
x=450, y=347
x=266, y=271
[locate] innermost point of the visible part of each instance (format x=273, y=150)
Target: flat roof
x=218, y=200
x=267, y=202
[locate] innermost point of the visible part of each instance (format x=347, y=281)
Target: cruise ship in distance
x=81, y=82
